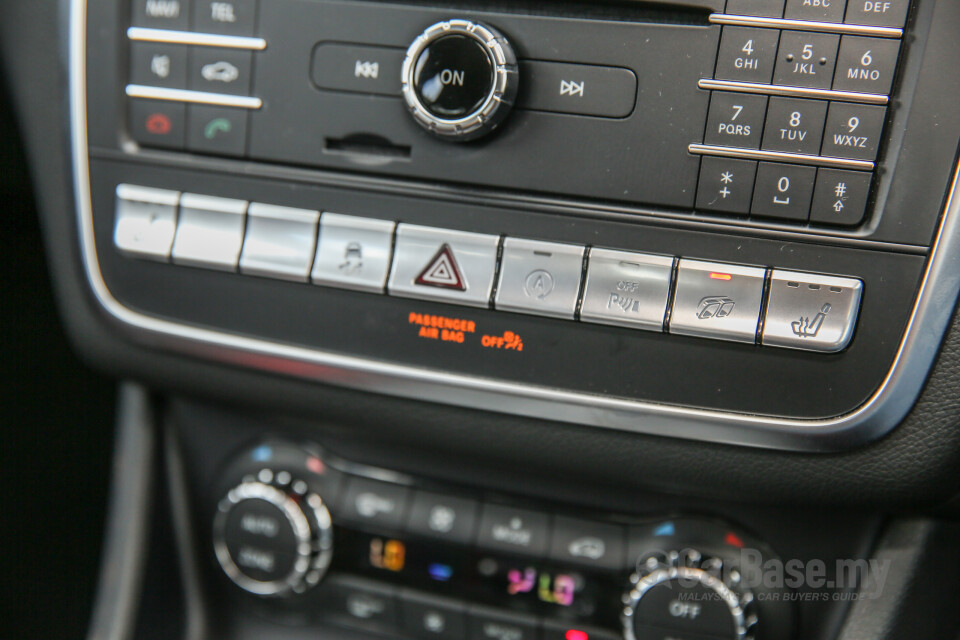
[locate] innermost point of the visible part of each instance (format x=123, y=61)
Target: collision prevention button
x=717, y=300
x=811, y=312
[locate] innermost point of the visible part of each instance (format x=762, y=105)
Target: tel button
x=227, y=17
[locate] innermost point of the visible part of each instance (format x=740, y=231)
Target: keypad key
x=746, y=54
x=806, y=59
x=783, y=191
x=759, y=8
x=853, y=131
x=866, y=65
x=816, y=10
x=840, y=197
x=878, y=13
x=726, y=185
x=735, y=120
x=794, y=125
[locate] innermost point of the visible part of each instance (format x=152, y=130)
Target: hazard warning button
x=444, y=265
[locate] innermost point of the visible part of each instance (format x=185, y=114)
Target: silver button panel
x=280, y=242
x=712, y=300
x=542, y=278
x=811, y=312
x=627, y=289
x=146, y=221
x=443, y=265
x=209, y=232
x=353, y=253
x=717, y=300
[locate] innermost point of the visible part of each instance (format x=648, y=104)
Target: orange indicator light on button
x=721, y=276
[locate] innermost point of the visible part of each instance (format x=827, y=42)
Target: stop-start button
x=460, y=79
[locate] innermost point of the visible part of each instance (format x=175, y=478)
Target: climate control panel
x=415, y=560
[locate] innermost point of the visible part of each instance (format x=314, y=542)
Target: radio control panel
x=602, y=217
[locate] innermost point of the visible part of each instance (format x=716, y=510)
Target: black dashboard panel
x=614, y=194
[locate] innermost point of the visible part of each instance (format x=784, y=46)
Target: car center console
x=732, y=222
x=599, y=218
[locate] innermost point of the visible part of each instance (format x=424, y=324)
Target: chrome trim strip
x=793, y=92
x=140, y=34
x=195, y=97
x=806, y=25
x=881, y=413
x=780, y=156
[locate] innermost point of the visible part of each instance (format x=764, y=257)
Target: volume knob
x=272, y=536
x=460, y=79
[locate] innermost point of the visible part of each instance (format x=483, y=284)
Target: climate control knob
x=460, y=79
x=683, y=592
x=273, y=536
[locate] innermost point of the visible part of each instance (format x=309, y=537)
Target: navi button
x=811, y=312
x=717, y=300
x=438, y=264
x=541, y=278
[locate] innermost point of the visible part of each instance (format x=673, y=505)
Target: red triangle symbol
x=442, y=271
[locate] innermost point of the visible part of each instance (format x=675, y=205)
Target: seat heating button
x=811, y=312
